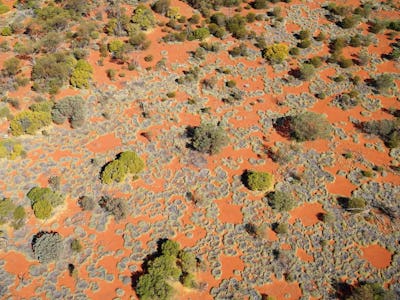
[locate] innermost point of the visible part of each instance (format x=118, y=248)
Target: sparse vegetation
x=208, y=138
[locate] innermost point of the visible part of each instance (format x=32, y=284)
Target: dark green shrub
x=281, y=201
x=260, y=4
x=304, y=34
x=237, y=26
x=384, y=82
x=259, y=181
x=320, y=37
x=208, y=138
x=11, y=66
x=316, y=61
x=387, y=130
x=304, y=44
x=377, y=26
x=349, y=21
x=199, y=34
x=47, y=246
x=309, y=126
x=161, y=6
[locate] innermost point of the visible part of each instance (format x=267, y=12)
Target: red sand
x=104, y=143
x=307, y=213
x=377, y=256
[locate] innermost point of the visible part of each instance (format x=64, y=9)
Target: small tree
x=208, y=138
x=259, y=181
x=47, y=246
x=144, y=17
x=384, y=82
x=115, y=206
x=309, y=126
x=11, y=66
x=276, y=53
x=70, y=108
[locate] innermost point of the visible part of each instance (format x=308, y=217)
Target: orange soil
x=104, y=143
x=280, y=289
x=307, y=213
x=377, y=256
x=304, y=256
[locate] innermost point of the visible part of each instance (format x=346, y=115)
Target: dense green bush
x=281, y=201
x=47, y=246
x=281, y=228
x=276, y=53
x=43, y=200
x=308, y=126
x=384, y=82
x=76, y=245
x=82, y=74
x=199, y=34
x=237, y=26
x=171, y=265
x=208, y=138
x=259, y=181
x=29, y=122
x=356, y=204
x=7, y=208
x=71, y=108
x=144, y=17
x=161, y=6
x=126, y=163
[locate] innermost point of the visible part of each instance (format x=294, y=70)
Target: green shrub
x=304, y=44
x=208, y=138
x=3, y=8
x=281, y=228
x=29, y=122
x=39, y=193
x=384, y=82
x=11, y=66
x=316, y=61
x=371, y=291
x=144, y=17
x=76, y=245
x=42, y=209
x=310, y=126
x=71, y=108
x=237, y=26
x=82, y=74
x=199, y=34
x=161, y=6
x=171, y=265
x=387, y=130
x=11, y=149
x=356, y=204
x=126, y=163
x=306, y=71
x=304, y=34
x=47, y=246
x=6, y=31
x=259, y=181
x=7, y=208
x=276, y=53
x=281, y=201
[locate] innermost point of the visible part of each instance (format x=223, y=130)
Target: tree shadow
x=343, y=202
x=282, y=126
x=342, y=289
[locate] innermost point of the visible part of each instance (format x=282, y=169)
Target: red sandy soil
x=104, y=143
x=307, y=213
x=280, y=289
x=304, y=256
x=377, y=256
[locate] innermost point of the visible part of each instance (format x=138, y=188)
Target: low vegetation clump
x=371, y=291
x=86, y=203
x=11, y=149
x=29, y=122
x=47, y=246
x=309, y=126
x=387, y=130
x=208, y=138
x=43, y=200
x=281, y=201
x=126, y=163
x=172, y=264
x=114, y=206
x=70, y=108
x=356, y=204
x=259, y=181
x=82, y=74
x=276, y=53
x=11, y=213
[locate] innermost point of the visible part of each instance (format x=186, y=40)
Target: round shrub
x=281, y=201
x=208, y=138
x=309, y=126
x=276, y=53
x=259, y=181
